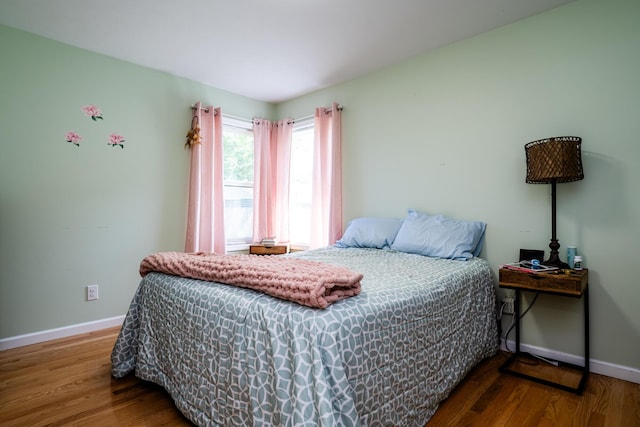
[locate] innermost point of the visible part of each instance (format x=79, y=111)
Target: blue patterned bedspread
x=235, y=357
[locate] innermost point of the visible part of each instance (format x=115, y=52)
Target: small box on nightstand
x=268, y=250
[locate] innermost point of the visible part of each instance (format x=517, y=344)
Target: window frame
x=247, y=125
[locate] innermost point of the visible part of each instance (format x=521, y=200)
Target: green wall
x=445, y=131
x=73, y=216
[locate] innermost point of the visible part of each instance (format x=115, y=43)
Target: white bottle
x=577, y=262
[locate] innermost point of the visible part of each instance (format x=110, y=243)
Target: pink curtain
x=326, y=199
x=282, y=171
x=205, y=212
x=272, y=142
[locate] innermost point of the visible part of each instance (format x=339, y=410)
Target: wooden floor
x=67, y=382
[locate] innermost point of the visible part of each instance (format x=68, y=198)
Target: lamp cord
x=513, y=322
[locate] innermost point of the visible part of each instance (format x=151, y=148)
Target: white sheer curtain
x=326, y=198
x=205, y=212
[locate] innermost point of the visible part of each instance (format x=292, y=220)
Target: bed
x=231, y=356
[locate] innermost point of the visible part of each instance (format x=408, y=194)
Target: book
x=269, y=242
x=528, y=267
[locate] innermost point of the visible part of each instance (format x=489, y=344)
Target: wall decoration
x=116, y=140
x=193, y=136
x=93, y=112
x=72, y=137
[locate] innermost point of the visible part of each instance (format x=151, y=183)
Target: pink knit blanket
x=310, y=283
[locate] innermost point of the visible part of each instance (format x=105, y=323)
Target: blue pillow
x=370, y=233
x=439, y=236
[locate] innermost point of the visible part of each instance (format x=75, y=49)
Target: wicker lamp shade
x=556, y=159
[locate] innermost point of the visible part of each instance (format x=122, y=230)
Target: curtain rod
x=206, y=110
x=311, y=116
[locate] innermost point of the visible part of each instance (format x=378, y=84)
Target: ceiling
x=269, y=50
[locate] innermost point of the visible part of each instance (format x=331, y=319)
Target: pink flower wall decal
x=116, y=140
x=92, y=111
x=73, y=138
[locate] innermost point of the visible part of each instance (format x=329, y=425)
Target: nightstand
x=268, y=250
x=574, y=284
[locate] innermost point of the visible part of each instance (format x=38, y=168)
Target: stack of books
x=269, y=242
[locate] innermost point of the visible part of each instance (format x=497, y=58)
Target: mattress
x=231, y=356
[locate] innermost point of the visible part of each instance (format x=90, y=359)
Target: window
x=300, y=184
x=237, y=138
x=238, y=146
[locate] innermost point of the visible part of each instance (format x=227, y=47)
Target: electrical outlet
x=508, y=305
x=92, y=292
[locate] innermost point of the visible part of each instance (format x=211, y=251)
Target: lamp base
x=554, y=259
x=556, y=263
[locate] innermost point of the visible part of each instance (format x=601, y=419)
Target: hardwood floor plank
x=462, y=405
x=560, y=409
x=67, y=382
x=631, y=404
x=495, y=407
x=519, y=402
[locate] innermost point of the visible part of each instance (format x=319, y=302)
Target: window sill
x=244, y=247
x=237, y=247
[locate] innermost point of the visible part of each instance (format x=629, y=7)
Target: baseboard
x=596, y=366
x=66, y=331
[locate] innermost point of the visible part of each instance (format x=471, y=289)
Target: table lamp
x=550, y=161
